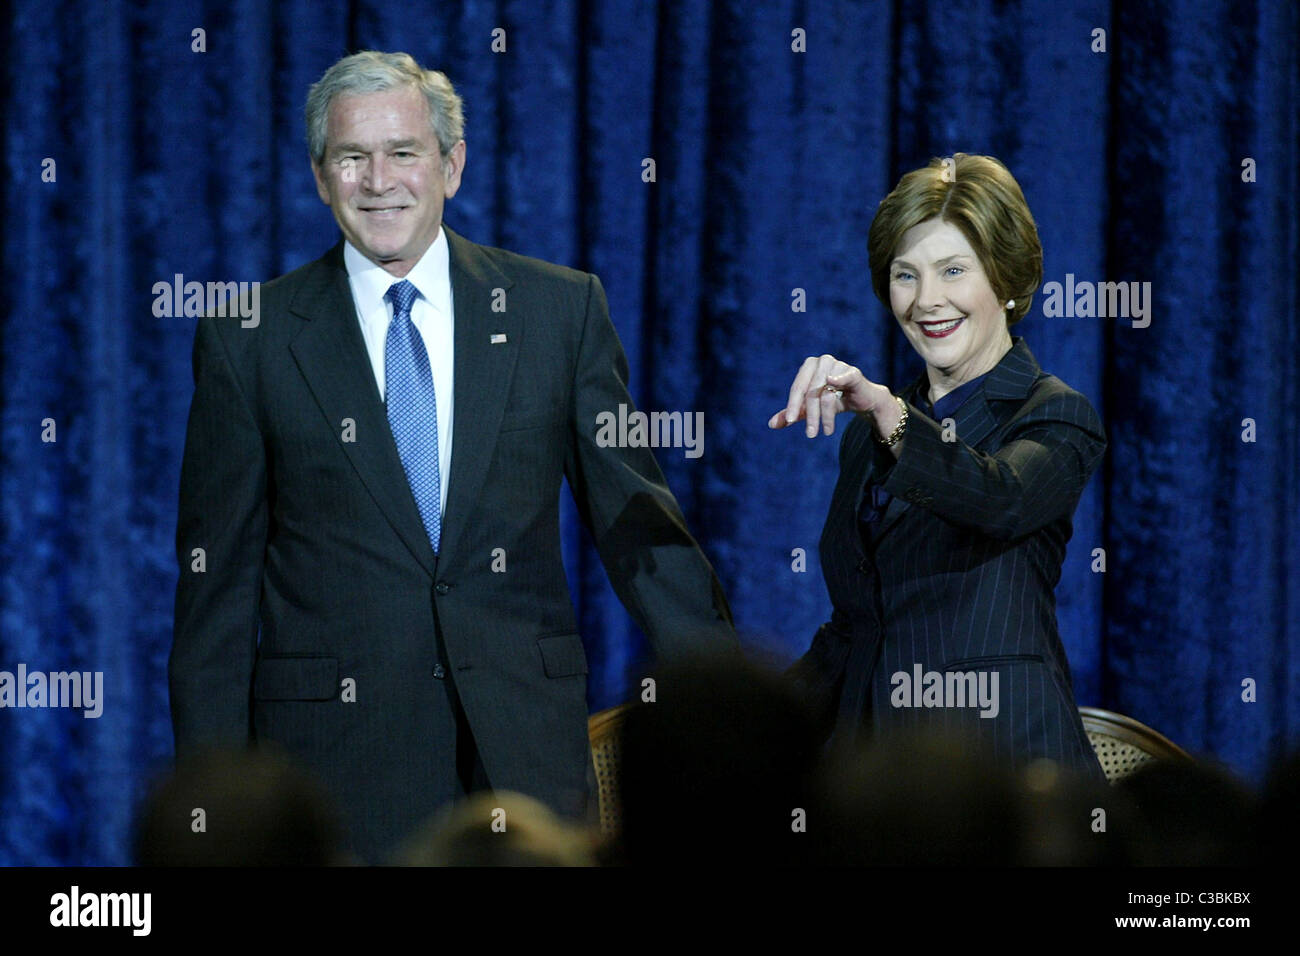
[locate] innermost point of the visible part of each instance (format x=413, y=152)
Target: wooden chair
x=1123, y=744
x=603, y=730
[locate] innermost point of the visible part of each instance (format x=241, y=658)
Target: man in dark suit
x=371, y=480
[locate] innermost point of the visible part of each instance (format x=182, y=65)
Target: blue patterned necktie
x=413, y=408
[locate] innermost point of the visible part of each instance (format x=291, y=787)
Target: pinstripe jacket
x=953, y=594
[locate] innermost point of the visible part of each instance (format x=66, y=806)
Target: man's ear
x=452, y=167
x=322, y=188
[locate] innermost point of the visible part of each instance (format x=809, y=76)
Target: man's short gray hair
x=373, y=72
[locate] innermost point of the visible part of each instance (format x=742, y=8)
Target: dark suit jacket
x=292, y=485
x=960, y=573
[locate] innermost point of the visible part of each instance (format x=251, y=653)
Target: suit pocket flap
x=543, y=419
x=563, y=655
x=296, y=678
x=976, y=663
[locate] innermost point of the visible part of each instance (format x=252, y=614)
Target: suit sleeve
x=1034, y=478
x=655, y=566
x=818, y=676
x=223, y=511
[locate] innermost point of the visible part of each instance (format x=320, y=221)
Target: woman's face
x=935, y=280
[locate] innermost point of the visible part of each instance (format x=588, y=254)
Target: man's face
x=384, y=177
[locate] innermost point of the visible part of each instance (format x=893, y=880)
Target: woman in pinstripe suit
x=948, y=525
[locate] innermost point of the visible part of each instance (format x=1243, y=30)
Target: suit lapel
x=1011, y=378
x=331, y=354
x=484, y=371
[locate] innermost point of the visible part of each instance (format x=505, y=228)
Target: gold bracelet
x=897, y=434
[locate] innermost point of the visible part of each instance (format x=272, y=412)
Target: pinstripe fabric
x=960, y=572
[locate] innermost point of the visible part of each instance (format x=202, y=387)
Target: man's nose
x=377, y=179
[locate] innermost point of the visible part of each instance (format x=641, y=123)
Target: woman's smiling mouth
x=940, y=329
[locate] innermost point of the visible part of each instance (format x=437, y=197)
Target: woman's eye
x=957, y=269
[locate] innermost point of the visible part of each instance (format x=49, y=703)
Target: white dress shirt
x=433, y=317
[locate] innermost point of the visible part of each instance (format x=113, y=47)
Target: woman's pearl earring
x=1011, y=303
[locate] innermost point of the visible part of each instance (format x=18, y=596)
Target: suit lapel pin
x=498, y=338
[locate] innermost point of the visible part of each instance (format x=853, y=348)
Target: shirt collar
x=431, y=276
x=953, y=400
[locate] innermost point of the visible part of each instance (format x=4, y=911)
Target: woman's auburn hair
x=979, y=196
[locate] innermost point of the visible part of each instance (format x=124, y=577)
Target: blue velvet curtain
x=1159, y=151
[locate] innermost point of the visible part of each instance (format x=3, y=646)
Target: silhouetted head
x=916, y=799
x=1191, y=814
x=498, y=828
x=716, y=767
x=237, y=808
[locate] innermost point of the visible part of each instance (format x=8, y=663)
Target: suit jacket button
x=438, y=672
x=442, y=587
